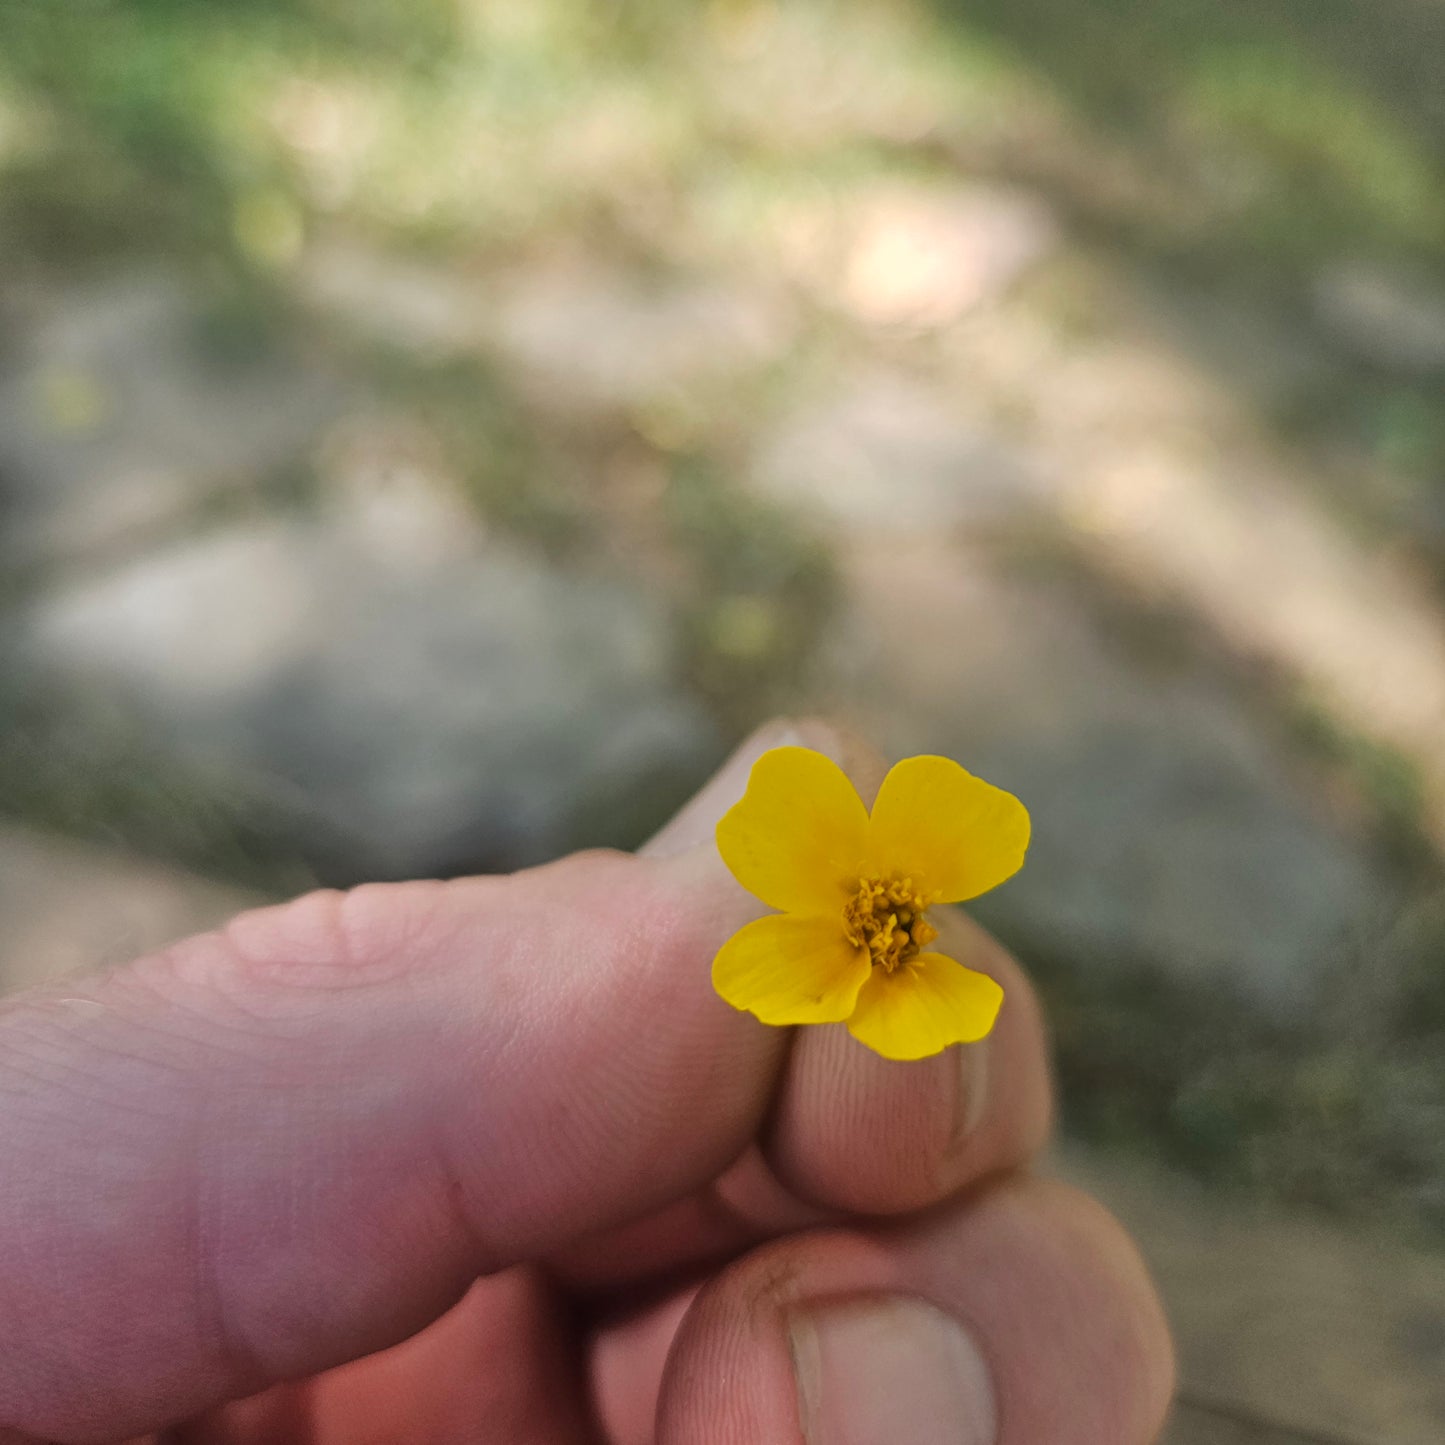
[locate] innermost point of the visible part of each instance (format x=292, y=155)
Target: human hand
x=489, y=1161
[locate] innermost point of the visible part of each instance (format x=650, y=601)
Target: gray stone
x=1387, y=315
x=584, y=335
x=1170, y=830
x=428, y=711
x=421, y=307
x=597, y=338
x=892, y=456
x=116, y=417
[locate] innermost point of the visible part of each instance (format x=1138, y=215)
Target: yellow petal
x=955, y=835
x=796, y=838
x=924, y=1007
x=791, y=970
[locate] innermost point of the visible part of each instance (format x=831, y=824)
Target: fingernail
x=889, y=1369
x=972, y=1097
x=695, y=822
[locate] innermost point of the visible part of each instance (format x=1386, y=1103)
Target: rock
x=598, y=339
x=467, y=711
x=1389, y=316
x=1170, y=830
x=422, y=308
x=116, y=416
x=586, y=335
x=891, y=456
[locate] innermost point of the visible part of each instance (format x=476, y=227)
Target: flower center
x=886, y=916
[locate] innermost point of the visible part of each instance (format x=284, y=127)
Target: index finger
x=295, y=1141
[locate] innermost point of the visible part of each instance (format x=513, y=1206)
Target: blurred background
x=432, y=432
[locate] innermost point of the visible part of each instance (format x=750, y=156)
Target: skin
x=489, y=1161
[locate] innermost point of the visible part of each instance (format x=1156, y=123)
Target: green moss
x=1315, y=1110
x=70, y=764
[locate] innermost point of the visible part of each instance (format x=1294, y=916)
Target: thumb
x=297, y=1140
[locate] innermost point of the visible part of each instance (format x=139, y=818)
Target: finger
x=1021, y=1318
x=743, y=1206
x=625, y=1365
x=500, y=1368
x=851, y=1132
x=291, y=1143
x=863, y=1134
x=746, y=1203
x=857, y=1132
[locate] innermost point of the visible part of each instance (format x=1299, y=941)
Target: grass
x=1299, y=128
x=1337, y=1108
x=71, y=764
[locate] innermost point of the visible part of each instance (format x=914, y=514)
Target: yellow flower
x=850, y=942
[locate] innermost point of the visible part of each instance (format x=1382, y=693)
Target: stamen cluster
x=887, y=916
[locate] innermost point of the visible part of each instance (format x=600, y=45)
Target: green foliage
x=1319, y=1109
x=1297, y=129
x=70, y=764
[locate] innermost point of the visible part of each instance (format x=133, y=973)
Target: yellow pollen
x=887, y=916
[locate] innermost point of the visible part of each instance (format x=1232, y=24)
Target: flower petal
x=924, y=1007
x=796, y=838
x=955, y=835
x=791, y=970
